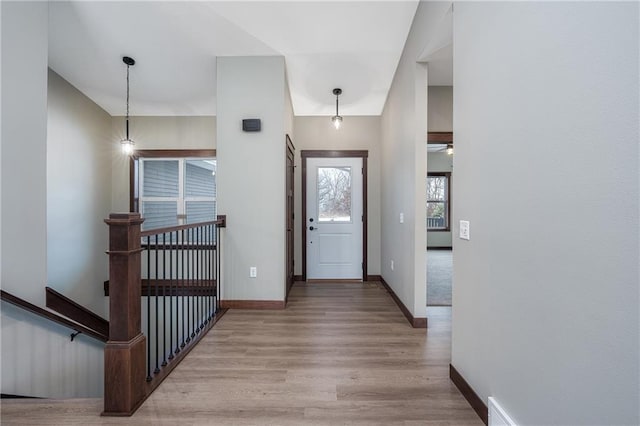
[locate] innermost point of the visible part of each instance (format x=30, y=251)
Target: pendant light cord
x=127, y=101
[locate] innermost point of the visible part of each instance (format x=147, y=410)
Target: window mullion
x=181, y=171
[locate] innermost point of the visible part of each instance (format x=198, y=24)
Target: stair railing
x=164, y=287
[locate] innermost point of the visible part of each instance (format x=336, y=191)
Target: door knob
x=311, y=228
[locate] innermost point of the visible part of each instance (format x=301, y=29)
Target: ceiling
x=353, y=45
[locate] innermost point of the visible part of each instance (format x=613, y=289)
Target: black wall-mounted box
x=251, y=125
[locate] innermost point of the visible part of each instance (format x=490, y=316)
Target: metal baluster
x=218, y=278
x=171, y=296
x=157, y=370
x=164, y=300
x=182, y=280
x=197, y=281
x=188, y=287
x=214, y=282
x=200, y=281
x=193, y=276
x=212, y=270
x=148, y=310
x=207, y=256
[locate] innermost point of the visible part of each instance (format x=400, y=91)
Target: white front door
x=334, y=218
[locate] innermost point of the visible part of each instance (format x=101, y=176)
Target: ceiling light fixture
x=336, y=119
x=127, y=144
x=450, y=149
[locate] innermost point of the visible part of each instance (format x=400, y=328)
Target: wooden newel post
x=124, y=354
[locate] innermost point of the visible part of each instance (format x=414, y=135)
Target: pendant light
x=336, y=119
x=450, y=149
x=127, y=144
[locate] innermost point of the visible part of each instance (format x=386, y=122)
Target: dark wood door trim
x=364, y=154
x=289, y=215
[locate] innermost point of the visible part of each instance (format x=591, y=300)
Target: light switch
x=464, y=229
x=253, y=272
x=401, y=217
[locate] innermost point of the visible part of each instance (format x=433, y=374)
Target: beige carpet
x=439, y=277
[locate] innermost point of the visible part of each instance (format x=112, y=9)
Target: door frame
x=304, y=154
x=290, y=153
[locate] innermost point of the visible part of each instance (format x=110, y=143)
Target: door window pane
x=334, y=194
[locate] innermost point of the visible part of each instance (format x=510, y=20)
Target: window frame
x=145, y=154
x=447, y=202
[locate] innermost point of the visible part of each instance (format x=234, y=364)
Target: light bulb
x=337, y=121
x=127, y=146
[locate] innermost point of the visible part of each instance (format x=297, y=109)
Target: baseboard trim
x=439, y=248
x=415, y=322
x=297, y=278
x=469, y=394
x=252, y=304
x=374, y=278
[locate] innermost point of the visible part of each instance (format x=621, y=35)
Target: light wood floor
x=339, y=354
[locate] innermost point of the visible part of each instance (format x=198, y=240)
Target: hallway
x=338, y=354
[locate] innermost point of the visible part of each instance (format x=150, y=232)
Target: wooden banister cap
x=124, y=219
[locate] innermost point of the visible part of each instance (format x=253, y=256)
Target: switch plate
x=253, y=272
x=392, y=265
x=401, y=217
x=464, y=230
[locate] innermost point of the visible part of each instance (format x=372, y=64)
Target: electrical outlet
x=464, y=229
x=401, y=217
x=392, y=265
x=253, y=272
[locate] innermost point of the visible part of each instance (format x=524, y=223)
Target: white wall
x=356, y=133
x=440, y=118
x=24, y=139
x=440, y=110
x=78, y=195
x=404, y=128
x=155, y=133
x=37, y=357
x=545, y=301
x=251, y=176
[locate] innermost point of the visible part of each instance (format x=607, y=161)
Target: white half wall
x=78, y=195
x=356, y=133
x=251, y=176
x=546, y=292
x=179, y=132
x=404, y=165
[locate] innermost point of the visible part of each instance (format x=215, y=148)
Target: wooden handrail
x=21, y=303
x=221, y=222
x=70, y=309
